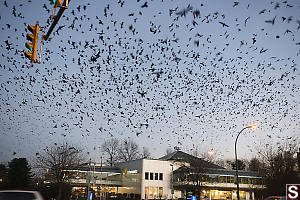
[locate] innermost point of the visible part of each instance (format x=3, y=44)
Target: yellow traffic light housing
x=32, y=45
x=58, y=3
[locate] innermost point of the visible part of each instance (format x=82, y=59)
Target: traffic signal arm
x=56, y=18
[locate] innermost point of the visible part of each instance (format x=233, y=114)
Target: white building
x=154, y=178
x=177, y=175
x=173, y=177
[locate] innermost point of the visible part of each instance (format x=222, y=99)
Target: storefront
x=104, y=192
x=153, y=192
x=223, y=194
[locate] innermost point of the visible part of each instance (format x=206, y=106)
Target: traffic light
x=32, y=45
x=57, y=3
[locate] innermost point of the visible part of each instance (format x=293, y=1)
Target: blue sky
x=152, y=74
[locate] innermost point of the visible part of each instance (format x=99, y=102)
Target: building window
x=222, y=179
x=147, y=175
x=227, y=179
x=161, y=176
x=156, y=176
x=151, y=176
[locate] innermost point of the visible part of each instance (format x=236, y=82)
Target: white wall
x=158, y=166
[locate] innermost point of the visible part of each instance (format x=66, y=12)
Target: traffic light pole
x=40, y=59
x=56, y=18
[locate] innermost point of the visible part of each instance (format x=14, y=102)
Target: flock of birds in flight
x=160, y=74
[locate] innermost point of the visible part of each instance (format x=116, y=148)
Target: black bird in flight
x=223, y=24
x=272, y=21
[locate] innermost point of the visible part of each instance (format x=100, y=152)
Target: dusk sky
x=164, y=73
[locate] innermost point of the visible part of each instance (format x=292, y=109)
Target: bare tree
x=196, y=151
x=57, y=160
x=254, y=165
x=128, y=150
x=169, y=151
x=145, y=153
x=279, y=166
x=210, y=155
x=111, y=149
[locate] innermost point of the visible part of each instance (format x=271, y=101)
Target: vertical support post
x=236, y=164
x=101, y=180
x=236, y=172
x=42, y=38
x=89, y=180
x=172, y=187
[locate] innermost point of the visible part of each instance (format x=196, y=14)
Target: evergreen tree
x=3, y=176
x=19, y=173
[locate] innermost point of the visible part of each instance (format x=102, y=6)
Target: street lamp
x=236, y=161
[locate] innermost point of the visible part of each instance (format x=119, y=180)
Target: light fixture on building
x=210, y=152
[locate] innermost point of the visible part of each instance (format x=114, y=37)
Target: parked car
x=20, y=195
x=275, y=198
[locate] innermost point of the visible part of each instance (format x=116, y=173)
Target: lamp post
x=236, y=160
x=172, y=189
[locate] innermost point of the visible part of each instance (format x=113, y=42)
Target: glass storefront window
x=242, y=195
x=220, y=194
x=150, y=192
x=215, y=194
x=160, y=192
x=225, y=194
x=146, y=192
x=205, y=194
x=231, y=179
x=155, y=192
x=222, y=179
x=227, y=179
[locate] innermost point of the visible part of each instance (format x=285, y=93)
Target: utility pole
x=89, y=179
x=298, y=159
x=172, y=186
x=40, y=58
x=101, y=179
